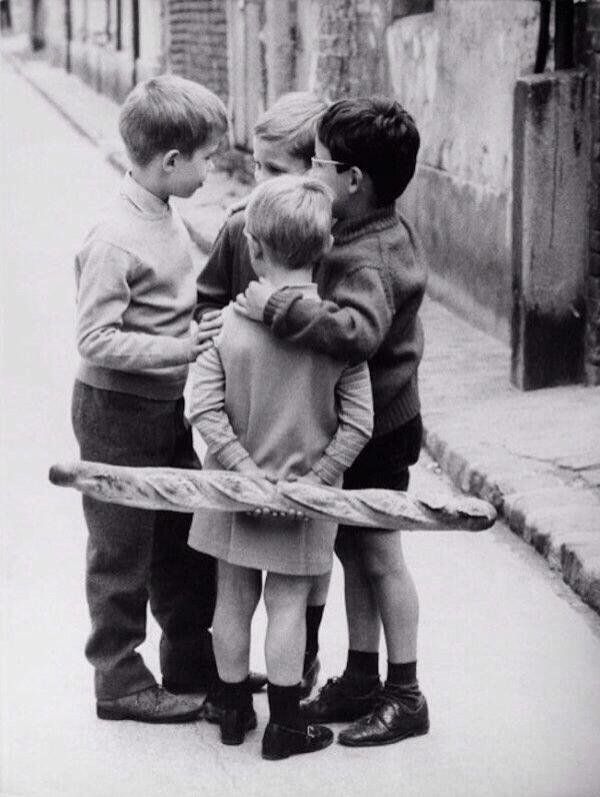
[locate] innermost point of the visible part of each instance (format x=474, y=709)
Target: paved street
x=509, y=656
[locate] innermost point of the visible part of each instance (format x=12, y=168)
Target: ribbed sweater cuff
x=278, y=301
x=231, y=455
x=405, y=406
x=328, y=469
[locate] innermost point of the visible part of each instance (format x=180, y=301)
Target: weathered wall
x=455, y=70
x=592, y=61
x=197, y=42
x=549, y=223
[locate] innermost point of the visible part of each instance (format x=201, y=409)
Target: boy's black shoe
x=280, y=742
x=153, y=704
x=203, y=684
x=309, y=678
x=399, y=714
x=341, y=700
x=235, y=723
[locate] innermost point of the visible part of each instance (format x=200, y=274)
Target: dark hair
x=378, y=136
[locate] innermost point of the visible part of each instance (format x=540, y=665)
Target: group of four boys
x=281, y=389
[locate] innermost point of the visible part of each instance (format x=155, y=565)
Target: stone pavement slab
x=535, y=456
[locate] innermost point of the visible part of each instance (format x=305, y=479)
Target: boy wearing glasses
x=372, y=283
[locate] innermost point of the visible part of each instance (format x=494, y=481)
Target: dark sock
x=235, y=694
x=404, y=674
x=314, y=615
x=284, y=703
x=363, y=667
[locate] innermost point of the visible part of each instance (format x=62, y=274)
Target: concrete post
x=549, y=226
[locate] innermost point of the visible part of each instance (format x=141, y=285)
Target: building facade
x=505, y=93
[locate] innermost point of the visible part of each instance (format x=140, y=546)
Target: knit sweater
x=372, y=283
x=228, y=269
x=135, y=298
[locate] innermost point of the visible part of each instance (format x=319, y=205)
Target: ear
x=255, y=246
x=356, y=178
x=328, y=245
x=169, y=160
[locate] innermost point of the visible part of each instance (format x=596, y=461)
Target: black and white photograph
x=300, y=403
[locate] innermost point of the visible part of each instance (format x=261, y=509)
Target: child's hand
x=252, y=303
x=202, y=334
x=312, y=478
x=210, y=325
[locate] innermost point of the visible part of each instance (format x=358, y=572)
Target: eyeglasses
x=320, y=162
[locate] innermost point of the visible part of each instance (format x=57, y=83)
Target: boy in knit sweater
x=136, y=291
x=372, y=284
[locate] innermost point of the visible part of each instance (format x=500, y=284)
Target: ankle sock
x=362, y=666
x=314, y=615
x=284, y=706
x=235, y=694
x=402, y=674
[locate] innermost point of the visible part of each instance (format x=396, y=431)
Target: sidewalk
x=535, y=456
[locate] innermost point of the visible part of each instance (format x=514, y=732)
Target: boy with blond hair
x=283, y=143
x=268, y=408
x=136, y=292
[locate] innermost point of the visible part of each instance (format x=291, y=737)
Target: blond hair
x=170, y=112
x=292, y=121
x=292, y=215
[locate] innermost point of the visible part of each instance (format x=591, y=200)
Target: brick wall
x=593, y=286
x=197, y=42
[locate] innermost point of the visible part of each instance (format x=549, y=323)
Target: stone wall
x=455, y=69
x=197, y=42
x=592, y=59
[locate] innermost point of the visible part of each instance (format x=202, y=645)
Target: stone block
x=550, y=208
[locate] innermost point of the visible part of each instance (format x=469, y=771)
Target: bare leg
x=395, y=593
x=238, y=592
x=319, y=590
x=285, y=600
x=362, y=609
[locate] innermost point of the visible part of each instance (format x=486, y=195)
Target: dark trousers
x=136, y=555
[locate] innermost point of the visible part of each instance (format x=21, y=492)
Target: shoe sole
x=237, y=740
x=268, y=757
x=115, y=714
x=409, y=735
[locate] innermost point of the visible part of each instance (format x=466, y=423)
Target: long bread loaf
x=181, y=490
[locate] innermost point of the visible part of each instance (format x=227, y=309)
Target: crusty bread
x=181, y=490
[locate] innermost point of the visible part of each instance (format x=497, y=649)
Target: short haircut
x=377, y=135
x=170, y=112
x=292, y=215
x=292, y=121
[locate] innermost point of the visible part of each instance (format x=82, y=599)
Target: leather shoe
x=235, y=723
x=154, y=705
x=309, y=678
x=280, y=742
x=340, y=701
x=203, y=684
x=398, y=715
x=212, y=707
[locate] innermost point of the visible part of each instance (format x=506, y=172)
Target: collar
x=144, y=201
x=380, y=219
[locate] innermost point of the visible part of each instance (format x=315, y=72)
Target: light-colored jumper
x=136, y=292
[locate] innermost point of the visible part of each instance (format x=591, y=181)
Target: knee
x=384, y=560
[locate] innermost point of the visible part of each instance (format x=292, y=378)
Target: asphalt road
x=509, y=658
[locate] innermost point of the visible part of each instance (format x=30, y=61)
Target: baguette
x=180, y=490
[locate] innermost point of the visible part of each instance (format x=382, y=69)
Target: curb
x=538, y=515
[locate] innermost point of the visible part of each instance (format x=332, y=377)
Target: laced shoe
x=341, y=700
x=154, y=705
x=399, y=713
x=280, y=742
